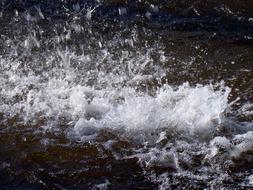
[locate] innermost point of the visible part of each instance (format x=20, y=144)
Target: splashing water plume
x=126, y=95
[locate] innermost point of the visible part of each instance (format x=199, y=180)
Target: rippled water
x=126, y=94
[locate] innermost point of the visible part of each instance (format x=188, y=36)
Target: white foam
x=243, y=143
x=224, y=151
x=219, y=146
x=102, y=186
x=246, y=109
x=186, y=109
x=250, y=180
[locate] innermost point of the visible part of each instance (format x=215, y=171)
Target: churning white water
x=95, y=106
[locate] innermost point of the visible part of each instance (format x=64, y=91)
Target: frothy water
x=187, y=109
x=110, y=95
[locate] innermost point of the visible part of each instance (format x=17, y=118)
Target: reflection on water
x=126, y=95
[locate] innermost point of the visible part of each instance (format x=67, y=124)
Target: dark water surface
x=113, y=94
